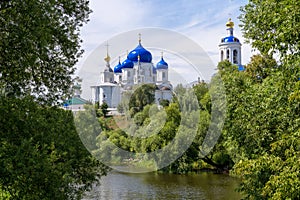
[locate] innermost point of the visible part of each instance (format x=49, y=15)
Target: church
x=136, y=69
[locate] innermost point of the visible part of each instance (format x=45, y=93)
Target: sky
x=118, y=22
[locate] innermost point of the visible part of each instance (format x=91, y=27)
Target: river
x=126, y=186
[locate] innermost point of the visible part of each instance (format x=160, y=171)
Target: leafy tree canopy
x=41, y=154
x=272, y=26
x=39, y=46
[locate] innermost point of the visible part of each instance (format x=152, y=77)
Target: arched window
x=128, y=73
x=227, y=54
x=222, y=55
x=163, y=75
x=235, y=55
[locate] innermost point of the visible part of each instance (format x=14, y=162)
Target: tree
x=104, y=108
x=200, y=90
x=273, y=175
x=272, y=26
x=41, y=155
x=40, y=46
x=265, y=122
x=141, y=97
x=259, y=115
x=261, y=66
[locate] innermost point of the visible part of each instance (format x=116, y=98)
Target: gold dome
x=230, y=24
x=107, y=58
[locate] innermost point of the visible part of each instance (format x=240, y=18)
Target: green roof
x=75, y=101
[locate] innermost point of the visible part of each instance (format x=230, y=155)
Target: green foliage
x=264, y=120
x=104, y=108
x=200, y=90
x=164, y=102
x=40, y=46
x=141, y=97
x=272, y=26
x=88, y=126
x=262, y=128
x=274, y=175
x=4, y=194
x=153, y=128
x=260, y=67
x=41, y=155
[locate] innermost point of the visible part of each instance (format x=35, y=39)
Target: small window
x=235, y=55
x=227, y=54
x=164, y=75
x=128, y=73
x=222, y=55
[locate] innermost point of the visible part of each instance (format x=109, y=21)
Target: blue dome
x=230, y=39
x=127, y=64
x=118, y=68
x=162, y=64
x=145, y=56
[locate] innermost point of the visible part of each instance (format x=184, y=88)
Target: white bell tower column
x=230, y=46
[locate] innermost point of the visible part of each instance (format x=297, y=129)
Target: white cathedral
x=136, y=69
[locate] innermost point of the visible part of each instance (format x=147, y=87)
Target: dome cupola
x=145, y=55
x=162, y=63
x=127, y=64
x=230, y=37
x=118, y=67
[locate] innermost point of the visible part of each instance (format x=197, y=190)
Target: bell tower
x=230, y=47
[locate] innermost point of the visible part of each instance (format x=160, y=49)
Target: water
x=122, y=186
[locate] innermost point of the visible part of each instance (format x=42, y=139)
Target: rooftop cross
x=140, y=38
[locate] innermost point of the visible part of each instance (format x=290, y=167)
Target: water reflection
x=121, y=186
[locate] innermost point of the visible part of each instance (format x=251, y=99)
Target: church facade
x=135, y=70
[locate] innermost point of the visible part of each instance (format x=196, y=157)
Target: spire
x=162, y=54
x=107, y=58
x=140, y=38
